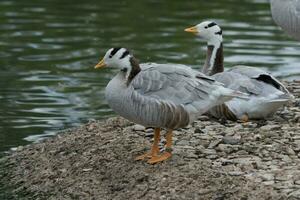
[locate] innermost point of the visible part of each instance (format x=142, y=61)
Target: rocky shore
x=212, y=159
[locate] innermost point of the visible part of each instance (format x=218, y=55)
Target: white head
x=116, y=57
x=209, y=31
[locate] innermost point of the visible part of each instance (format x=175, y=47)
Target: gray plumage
x=286, y=13
x=167, y=96
x=267, y=94
x=160, y=96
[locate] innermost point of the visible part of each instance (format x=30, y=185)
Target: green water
x=48, y=49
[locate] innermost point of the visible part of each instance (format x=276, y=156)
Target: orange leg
x=155, y=149
x=169, y=139
x=165, y=155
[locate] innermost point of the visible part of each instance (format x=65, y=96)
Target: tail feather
x=235, y=94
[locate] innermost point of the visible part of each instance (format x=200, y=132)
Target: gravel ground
x=212, y=159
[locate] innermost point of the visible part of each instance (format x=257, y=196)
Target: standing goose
x=286, y=14
x=267, y=94
x=159, y=95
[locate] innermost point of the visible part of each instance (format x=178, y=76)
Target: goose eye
x=206, y=27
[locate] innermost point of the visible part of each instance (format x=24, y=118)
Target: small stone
x=227, y=148
x=205, y=191
x=231, y=140
x=236, y=173
x=283, y=185
x=281, y=177
x=268, y=182
x=270, y=127
x=182, y=143
x=290, y=151
x=191, y=155
x=214, y=143
x=149, y=134
x=267, y=177
x=212, y=157
x=87, y=169
x=138, y=127
x=198, y=130
x=257, y=137
x=295, y=194
x=149, y=130
x=20, y=148
x=91, y=127
x=209, y=151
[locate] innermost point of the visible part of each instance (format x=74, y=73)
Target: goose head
x=116, y=58
x=122, y=59
x=209, y=31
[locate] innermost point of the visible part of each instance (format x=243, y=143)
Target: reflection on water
x=48, y=50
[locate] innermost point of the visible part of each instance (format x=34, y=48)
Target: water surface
x=48, y=49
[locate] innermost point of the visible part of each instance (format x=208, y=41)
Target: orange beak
x=191, y=30
x=100, y=64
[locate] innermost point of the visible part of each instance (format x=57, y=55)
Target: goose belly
x=147, y=111
x=255, y=108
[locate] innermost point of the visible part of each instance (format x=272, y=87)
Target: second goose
x=267, y=94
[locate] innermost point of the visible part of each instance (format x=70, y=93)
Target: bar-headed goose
x=160, y=95
x=267, y=94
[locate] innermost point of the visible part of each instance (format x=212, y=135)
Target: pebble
x=231, y=140
x=210, y=151
x=138, y=127
x=198, y=130
x=236, y=173
x=214, y=143
x=267, y=176
x=268, y=182
x=295, y=194
x=227, y=148
x=297, y=182
x=270, y=127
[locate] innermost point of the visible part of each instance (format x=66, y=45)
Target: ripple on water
x=45, y=46
x=68, y=39
x=26, y=33
x=63, y=56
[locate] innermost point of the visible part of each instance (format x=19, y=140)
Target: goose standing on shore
x=160, y=95
x=286, y=14
x=267, y=94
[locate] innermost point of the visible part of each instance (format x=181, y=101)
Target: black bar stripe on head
x=211, y=24
x=114, y=51
x=219, y=33
x=124, y=54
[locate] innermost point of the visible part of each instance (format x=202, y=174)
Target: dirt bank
x=212, y=160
